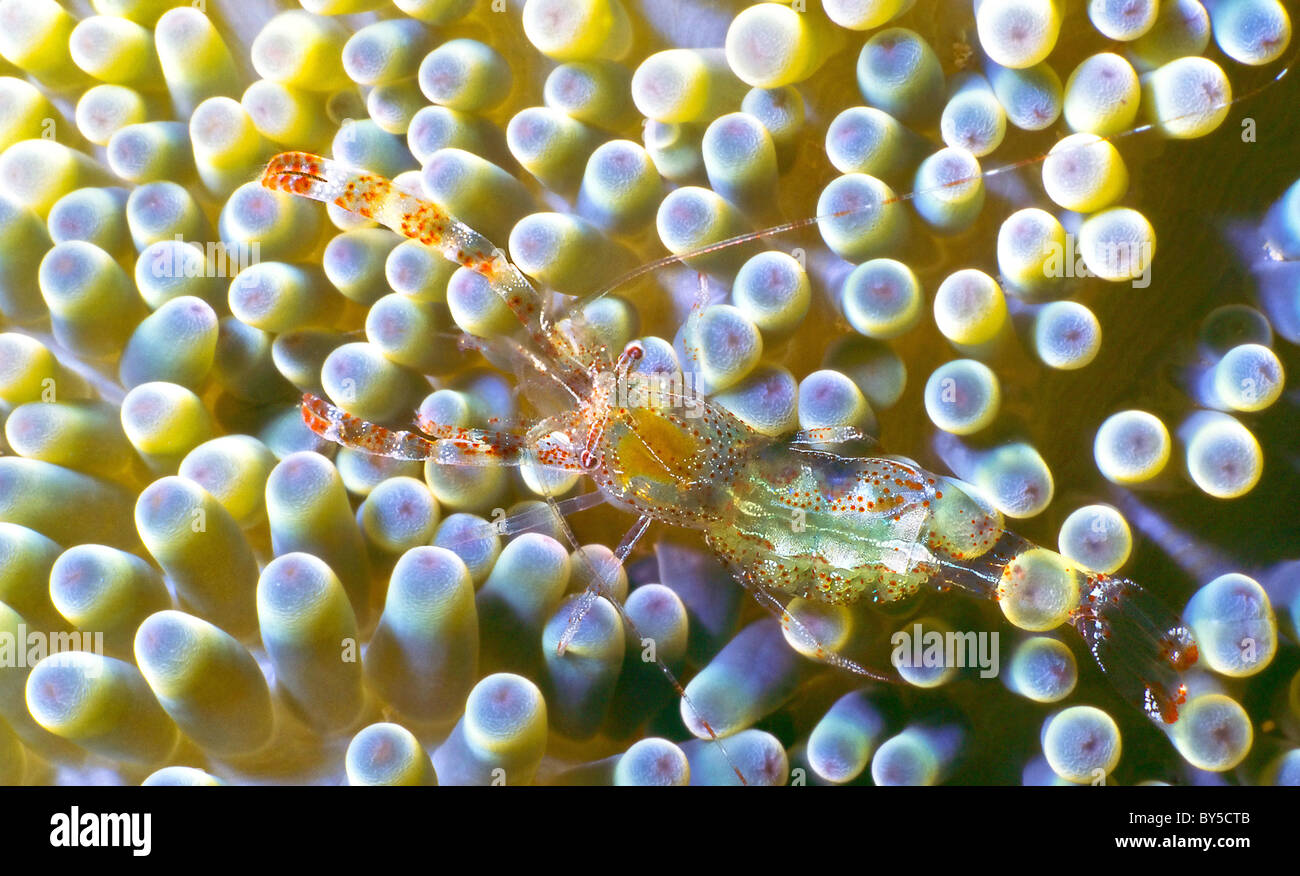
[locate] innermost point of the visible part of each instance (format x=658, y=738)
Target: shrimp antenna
x=795, y=225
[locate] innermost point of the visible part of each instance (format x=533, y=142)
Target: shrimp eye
x=587, y=459
x=631, y=353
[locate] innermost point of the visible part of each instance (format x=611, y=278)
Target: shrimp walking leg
x=810, y=642
x=598, y=586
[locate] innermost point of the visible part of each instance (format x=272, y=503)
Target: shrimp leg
x=374, y=197
x=826, y=435
x=809, y=640
x=598, y=587
x=448, y=445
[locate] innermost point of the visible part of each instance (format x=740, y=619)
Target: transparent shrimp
x=871, y=529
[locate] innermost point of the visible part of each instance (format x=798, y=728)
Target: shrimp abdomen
x=840, y=530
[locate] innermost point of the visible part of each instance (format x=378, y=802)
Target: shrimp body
x=800, y=521
x=792, y=520
x=816, y=525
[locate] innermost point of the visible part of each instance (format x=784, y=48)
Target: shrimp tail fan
x=1138, y=642
x=1140, y=645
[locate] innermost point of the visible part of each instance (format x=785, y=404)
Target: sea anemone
x=195, y=588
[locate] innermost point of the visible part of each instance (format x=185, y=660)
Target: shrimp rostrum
x=810, y=532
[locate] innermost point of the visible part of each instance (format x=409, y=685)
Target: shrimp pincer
x=374, y=197
x=796, y=522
